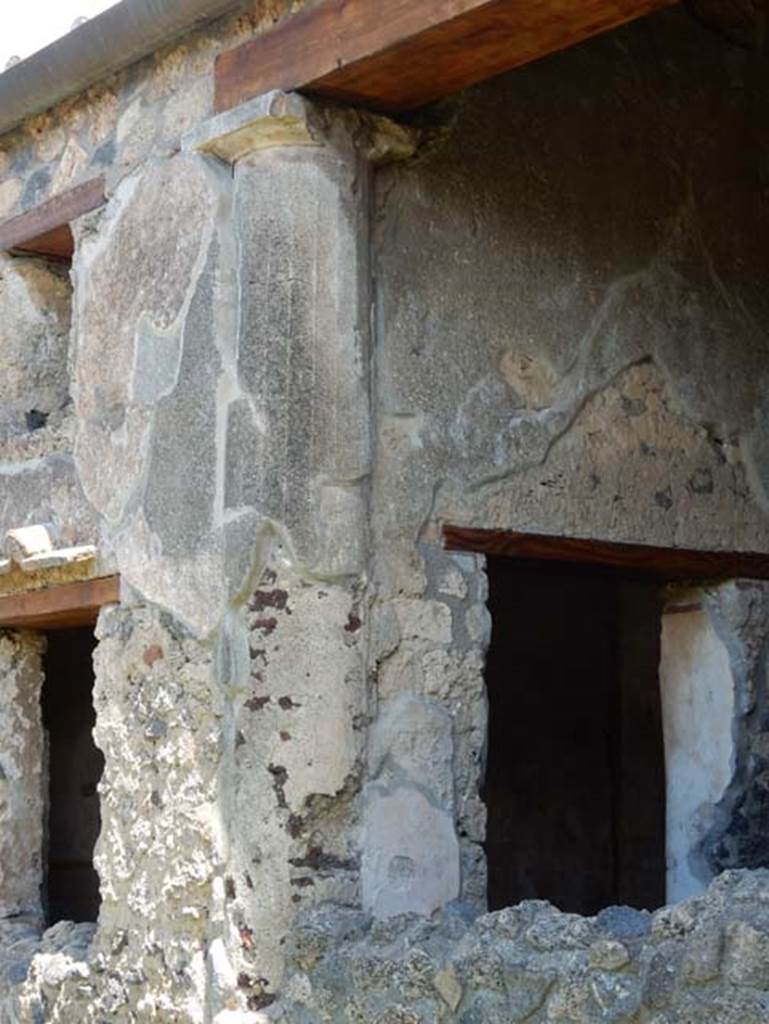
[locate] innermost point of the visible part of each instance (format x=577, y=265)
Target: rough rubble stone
x=496, y=974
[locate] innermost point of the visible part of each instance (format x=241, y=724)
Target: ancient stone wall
x=568, y=336
x=571, y=339
x=21, y=777
x=131, y=119
x=209, y=430
x=705, y=959
x=135, y=115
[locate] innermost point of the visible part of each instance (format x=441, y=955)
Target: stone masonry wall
x=135, y=115
x=159, y=725
x=706, y=959
x=571, y=339
x=218, y=454
x=569, y=336
x=22, y=776
x=115, y=128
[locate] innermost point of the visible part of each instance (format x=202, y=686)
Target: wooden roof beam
x=633, y=560
x=61, y=606
x=45, y=229
x=398, y=55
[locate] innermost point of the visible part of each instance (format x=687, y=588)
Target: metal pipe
x=112, y=40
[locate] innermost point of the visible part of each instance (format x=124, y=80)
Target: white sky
x=29, y=25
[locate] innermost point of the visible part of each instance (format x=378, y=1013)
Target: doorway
x=575, y=778
x=75, y=765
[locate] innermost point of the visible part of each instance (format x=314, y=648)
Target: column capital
x=279, y=119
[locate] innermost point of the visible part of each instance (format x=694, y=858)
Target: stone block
x=47, y=490
x=411, y=742
x=302, y=357
x=746, y=956
x=35, y=299
x=704, y=949
x=448, y=987
x=131, y=305
x=180, y=491
x=410, y=854
x=423, y=620
x=608, y=955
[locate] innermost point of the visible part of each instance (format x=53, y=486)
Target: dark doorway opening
x=575, y=778
x=75, y=766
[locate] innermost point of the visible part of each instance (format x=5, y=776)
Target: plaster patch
x=698, y=706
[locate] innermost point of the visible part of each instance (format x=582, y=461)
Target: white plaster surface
x=697, y=706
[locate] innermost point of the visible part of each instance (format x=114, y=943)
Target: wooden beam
x=57, y=244
x=45, y=230
x=637, y=560
x=59, y=607
x=397, y=55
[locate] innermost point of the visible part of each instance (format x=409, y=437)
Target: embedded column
x=296, y=431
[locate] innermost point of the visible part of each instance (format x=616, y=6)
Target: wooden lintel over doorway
x=45, y=229
x=639, y=560
x=59, y=607
x=398, y=55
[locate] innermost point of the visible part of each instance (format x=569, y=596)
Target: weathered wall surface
x=22, y=776
x=707, y=959
x=132, y=116
x=114, y=129
x=237, y=332
x=223, y=453
x=295, y=735
x=572, y=327
x=38, y=480
x=158, y=724
x=230, y=767
x=219, y=377
x=34, y=345
x=571, y=339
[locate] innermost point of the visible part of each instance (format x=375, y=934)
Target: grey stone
x=660, y=979
x=746, y=957
x=608, y=955
x=145, y=219
x=624, y=922
x=46, y=490
x=701, y=961
x=526, y=989
x=34, y=342
x=410, y=853
x=412, y=743
x=447, y=984
x=485, y=1008
x=181, y=487
x=302, y=326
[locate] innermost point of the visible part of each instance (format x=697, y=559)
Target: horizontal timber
x=59, y=607
x=45, y=230
x=638, y=560
x=398, y=55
